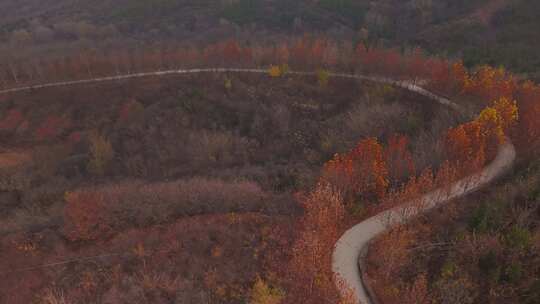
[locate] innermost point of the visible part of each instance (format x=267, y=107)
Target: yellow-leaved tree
x=101, y=154
x=274, y=71
x=262, y=293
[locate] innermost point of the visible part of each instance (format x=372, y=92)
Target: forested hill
x=481, y=31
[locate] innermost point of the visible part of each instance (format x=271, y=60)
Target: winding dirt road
x=351, y=249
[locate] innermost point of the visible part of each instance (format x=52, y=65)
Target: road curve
x=351, y=249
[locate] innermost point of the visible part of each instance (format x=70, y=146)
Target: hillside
x=102, y=185
x=481, y=31
x=253, y=151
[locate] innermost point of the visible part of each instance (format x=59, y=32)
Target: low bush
x=85, y=216
x=52, y=127
x=93, y=211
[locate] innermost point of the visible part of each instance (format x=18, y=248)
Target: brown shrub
x=85, y=217
x=94, y=211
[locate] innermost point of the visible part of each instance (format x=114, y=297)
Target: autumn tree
x=231, y=52
x=497, y=119
x=392, y=253
x=319, y=228
x=398, y=158
x=508, y=113
x=347, y=294
x=262, y=293
x=323, y=76
x=281, y=53
x=415, y=64
x=331, y=55
x=409, y=194
x=529, y=106
x=274, y=71
x=466, y=146
x=446, y=76
x=101, y=154
x=417, y=292
x=490, y=83
x=391, y=62
x=318, y=50
x=471, y=144
x=367, y=59
x=299, y=53
x=361, y=173
x=445, y=175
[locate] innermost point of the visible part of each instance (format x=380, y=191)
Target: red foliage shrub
x=130, y=110
x=74, y=137
x=52, y=127
x=416, y=64
x=228, y=53
x=528, y=97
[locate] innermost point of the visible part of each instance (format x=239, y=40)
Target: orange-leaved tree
x=490, y=83
x=469, y=145
x=361, y=173
x=319, y=228
x=529, y=106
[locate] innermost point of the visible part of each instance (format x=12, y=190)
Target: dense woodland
x=107, y=172
x=100, y=172
x=495, y=32
x=234, y=187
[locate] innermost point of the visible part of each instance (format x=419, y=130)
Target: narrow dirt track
x=351, y=249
